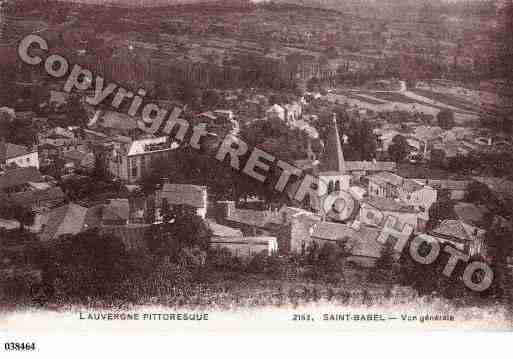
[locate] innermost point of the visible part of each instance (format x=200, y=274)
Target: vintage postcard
x=239, y=165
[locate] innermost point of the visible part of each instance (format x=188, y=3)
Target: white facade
x=421, y=200
x=27, y=160
x=131, y=162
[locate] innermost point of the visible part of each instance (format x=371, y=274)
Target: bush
x=222, y=259
x=270, y=265
x=445, y=119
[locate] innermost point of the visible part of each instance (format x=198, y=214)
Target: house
x=360, y=241
x=17, y=156
x=183, y=194
x=333, y=172
x=9, y=224
x=130, y=162
x=68, y=219
x=293, y=112
x=374, y=212
x=418, y=195
x=27, y=187
x=409, y=191
x=276, y=111
x=384, y=184
x=220, y=121
x=456, y=189
x=76, y=159
x=251, y=222
x=61, y=139
x=46, y=152
x=461, y=235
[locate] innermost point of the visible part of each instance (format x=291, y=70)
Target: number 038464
x=20, y=346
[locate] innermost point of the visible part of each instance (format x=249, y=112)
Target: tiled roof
x=388, y=204
x=453, y=185
x=252, y=217
x=365, y=244
x=258, y=240
x=451, y=228
x=361, y=242
x=219, y=230
x=386, y=177
x=75, y=155
x=140, y=147
x=370, y=166
x=332, y=231
x=411, y=185
x=117, y=120
x=52, y=194
x=68, y=219
x=192, y=195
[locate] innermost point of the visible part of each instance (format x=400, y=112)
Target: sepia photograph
x=253, y=165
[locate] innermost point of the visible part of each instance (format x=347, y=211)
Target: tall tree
x=399, y=148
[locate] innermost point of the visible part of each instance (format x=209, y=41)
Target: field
x=417, y=99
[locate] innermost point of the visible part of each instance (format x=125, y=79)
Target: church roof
x=333, y=160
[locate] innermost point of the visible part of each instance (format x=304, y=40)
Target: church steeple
x=333, y=160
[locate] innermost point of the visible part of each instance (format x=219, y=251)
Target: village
x=85, y=183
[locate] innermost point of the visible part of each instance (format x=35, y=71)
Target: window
x=28, y=159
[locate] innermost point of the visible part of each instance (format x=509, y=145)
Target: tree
x=445, y=119
x=500, y=248
x=182, y=228
x=399, y=149
x=437, y=157
x=22, y=214
x=149, y=214
x=479, y=193
x=313, y=84
x=440, y=211
x=83, y=265
x=361, y=142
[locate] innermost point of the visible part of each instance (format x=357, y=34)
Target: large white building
x=130, y=161
x=18, y=156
